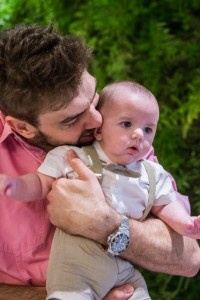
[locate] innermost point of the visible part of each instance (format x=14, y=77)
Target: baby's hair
x=107, y=92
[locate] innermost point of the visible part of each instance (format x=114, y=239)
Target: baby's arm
x=29, y=187
x=178, y=219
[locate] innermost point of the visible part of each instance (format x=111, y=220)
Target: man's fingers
x=78, y=166
x=120, y=293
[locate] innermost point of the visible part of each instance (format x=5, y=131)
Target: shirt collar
x=6, y=131
x=136, y=165
x=102, y=156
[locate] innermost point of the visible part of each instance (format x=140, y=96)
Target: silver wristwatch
x=119, y=240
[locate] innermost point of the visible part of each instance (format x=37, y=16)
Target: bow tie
x=122, y=170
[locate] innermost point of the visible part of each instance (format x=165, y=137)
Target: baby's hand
x=7, y=185
x=193, y=228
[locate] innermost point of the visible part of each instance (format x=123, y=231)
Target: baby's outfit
x=80, y=268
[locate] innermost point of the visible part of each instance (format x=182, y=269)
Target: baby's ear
x=23, y=128
x=97, y=134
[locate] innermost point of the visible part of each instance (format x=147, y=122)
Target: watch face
x=119, y=243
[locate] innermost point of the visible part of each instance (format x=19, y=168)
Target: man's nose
x=94, y=119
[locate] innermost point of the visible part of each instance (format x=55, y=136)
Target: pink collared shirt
x=25, y=230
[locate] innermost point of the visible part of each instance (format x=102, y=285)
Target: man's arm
x=79, y=207
x=155, y=246
x=16, y=292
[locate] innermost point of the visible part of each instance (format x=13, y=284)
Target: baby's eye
x=148, y=130
x=126, y=124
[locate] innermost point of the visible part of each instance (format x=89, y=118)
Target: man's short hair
x=40, y=70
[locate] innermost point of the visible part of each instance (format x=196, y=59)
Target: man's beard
x=44, y=142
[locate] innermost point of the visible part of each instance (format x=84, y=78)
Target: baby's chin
x=126, y=161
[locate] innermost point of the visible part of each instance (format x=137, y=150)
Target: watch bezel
x=114, y=245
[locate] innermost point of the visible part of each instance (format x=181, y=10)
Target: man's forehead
x=87, y=81
x=86, y=91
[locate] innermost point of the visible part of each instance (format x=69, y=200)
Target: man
x=47, y=99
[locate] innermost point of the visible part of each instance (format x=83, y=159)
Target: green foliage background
x=156, y=43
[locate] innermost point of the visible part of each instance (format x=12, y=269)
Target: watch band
x=119, y=240
x=124, y=226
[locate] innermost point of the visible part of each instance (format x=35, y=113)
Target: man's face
x=73, y=125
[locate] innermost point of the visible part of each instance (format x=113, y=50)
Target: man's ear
x=23, y=128
x=97, y=134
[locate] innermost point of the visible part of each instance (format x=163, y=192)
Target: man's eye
x=148, y=130
x=126, y=124
x=71, y=123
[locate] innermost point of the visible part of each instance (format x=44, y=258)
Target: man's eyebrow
x=71, y=118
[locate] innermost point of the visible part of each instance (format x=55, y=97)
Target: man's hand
x=120, y=293
x=78, y=206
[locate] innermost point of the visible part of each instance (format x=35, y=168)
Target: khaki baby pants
x=80, y=269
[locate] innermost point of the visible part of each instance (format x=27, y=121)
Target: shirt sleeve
x=56, y=165
x=184, y=200
x=164, y=189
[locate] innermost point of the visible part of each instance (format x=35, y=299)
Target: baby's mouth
x=133, y=150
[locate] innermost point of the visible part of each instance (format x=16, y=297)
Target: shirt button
x=116, y=190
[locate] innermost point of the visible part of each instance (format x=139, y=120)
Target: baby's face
x=129, y=126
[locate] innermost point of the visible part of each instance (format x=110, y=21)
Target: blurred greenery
x=156, y=43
